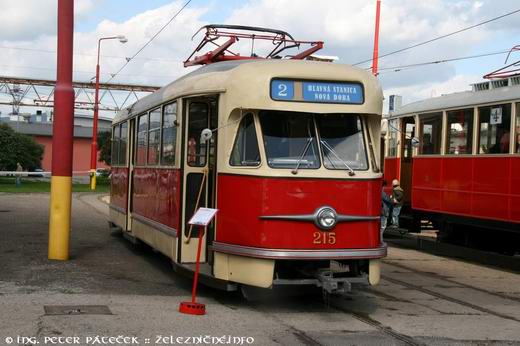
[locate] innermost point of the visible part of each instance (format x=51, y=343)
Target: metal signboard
x=317, y=91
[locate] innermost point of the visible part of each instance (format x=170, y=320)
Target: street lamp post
x=93, y=149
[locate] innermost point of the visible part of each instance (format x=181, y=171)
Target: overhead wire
x=128, y=60
x=402, y=67
x=440, y=37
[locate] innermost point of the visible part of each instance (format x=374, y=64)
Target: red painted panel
x=490, y=206
x=486, y=187
x=427, y=172
x=391, y=170
x=491, y=174
x=457, y=173
x=426, y=199
x=119, y=187
x=243, y=199
x=156, y=195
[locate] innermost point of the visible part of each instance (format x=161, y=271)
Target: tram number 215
x=324, y=238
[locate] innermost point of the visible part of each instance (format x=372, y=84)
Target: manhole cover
x=77, y=310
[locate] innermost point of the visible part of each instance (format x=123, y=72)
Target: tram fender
x=245, y=270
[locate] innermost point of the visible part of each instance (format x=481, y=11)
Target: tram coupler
x=332, y=285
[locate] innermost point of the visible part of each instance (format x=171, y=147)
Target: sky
x=28, y=37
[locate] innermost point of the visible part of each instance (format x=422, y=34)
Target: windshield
x=342, y=141
x=291, y=141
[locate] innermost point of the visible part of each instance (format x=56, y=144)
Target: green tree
x=16, y=147
x=104, y=145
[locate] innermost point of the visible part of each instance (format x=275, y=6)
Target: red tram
x=464, y=174
x=290, y=164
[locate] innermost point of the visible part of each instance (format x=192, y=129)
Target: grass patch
x=28, y=185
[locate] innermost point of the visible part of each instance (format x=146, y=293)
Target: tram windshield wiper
x=333, y=152
x=300, y=159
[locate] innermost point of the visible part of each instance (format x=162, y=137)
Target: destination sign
x=322, y=92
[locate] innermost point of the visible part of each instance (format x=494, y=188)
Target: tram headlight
x=326, y=218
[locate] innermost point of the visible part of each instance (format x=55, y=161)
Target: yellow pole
x=59, y=218
x=93, y=179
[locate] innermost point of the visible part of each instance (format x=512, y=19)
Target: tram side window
x=169, y=134
x=494, y=129
x=517, y=145
x=392, y=141
x=460, y=131
x=245, y=150
x=142, y=140
x=431, y=133
x=122, y=144
x=116, y=135
x=154, y=136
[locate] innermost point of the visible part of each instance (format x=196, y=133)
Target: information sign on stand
x=201, y=218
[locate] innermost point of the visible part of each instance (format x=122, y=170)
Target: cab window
x=245, y=150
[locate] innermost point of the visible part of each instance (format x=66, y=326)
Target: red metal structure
x=375, y=58
x=281, y=41
x=61, y=181
x=508, y=70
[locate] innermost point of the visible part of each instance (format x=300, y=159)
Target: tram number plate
x=328, y=238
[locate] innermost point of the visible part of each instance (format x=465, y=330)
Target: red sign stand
x=194, y=308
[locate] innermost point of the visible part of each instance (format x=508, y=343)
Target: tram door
x=408, y=131
x=199, y=170
x=130, y=160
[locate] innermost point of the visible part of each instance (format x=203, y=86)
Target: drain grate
x=4, y=211
x=77, y=310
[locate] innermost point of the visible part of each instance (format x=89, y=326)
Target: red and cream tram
x=464, y=174
x=290, y=165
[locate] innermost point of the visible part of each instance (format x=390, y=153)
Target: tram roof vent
x=481, y=86
x=499, y=83
x=514, y=80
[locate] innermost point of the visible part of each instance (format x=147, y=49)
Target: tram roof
x=460, y=99
x=247, y=79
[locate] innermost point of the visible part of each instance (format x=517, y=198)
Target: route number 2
x=282, y=90
x=328, y=238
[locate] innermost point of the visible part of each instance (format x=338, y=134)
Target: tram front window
x=342, y=141
x=289, y=140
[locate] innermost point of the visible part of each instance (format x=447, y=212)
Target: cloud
x=29, y=19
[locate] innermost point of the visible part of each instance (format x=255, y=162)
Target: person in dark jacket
x=386, y=205
x=397, y=201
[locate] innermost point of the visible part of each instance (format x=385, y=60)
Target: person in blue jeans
x=397, y=201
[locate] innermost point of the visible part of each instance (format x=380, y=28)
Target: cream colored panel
x=160, y=241
x=118, y=218
x=246, y=270
x=165, y=244
x=143, y=232
x=374, y=271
